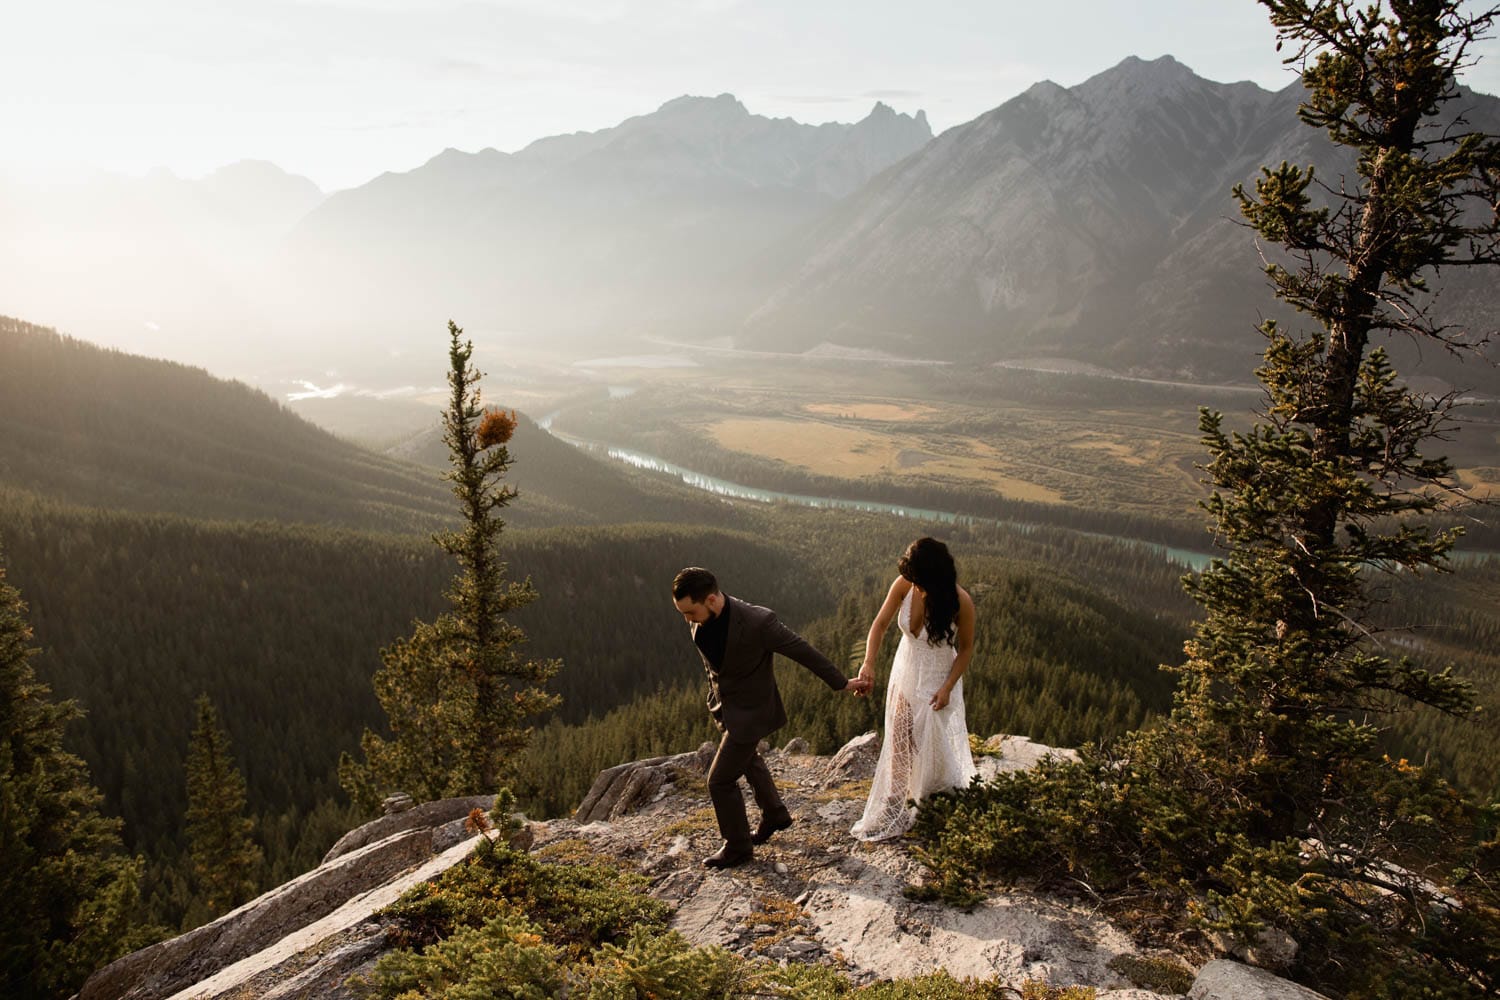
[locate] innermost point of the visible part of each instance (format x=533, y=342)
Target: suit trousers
x=734, y=760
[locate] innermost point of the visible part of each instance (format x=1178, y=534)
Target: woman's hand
x=940, y=698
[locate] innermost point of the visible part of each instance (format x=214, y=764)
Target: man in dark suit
x=737, y=641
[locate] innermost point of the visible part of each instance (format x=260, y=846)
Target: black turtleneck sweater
x=713, y=635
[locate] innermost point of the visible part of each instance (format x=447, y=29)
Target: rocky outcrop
x=377, y=862
x=1016, y=753
x=813, y=894
x=855, y=760
x=625, y=788
x=427, y=815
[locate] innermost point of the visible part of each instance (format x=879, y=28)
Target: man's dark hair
x=695, y=583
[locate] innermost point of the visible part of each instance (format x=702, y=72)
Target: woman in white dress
x=926, y=745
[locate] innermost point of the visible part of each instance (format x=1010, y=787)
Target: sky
x=341, y=91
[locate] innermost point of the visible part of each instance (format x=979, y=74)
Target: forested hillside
x=282, y=626
x=110, y=429
x=153, y=436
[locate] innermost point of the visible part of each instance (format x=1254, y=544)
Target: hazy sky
x=342, y=90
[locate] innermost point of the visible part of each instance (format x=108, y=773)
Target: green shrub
x=577, y=906
x=652, y=966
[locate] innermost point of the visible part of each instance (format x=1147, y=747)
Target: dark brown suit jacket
x=742, y=693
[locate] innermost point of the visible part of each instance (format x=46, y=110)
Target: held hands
x=859, y=686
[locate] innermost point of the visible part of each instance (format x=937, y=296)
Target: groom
x=736, y=641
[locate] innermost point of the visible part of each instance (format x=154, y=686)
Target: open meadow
x=1072, y=441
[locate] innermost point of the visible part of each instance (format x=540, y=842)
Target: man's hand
x=859, y=686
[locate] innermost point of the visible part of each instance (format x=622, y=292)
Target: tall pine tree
x=1291, y=674
x=1264, y=800
x=457, y=692
x=70, y=896
x=226, y=861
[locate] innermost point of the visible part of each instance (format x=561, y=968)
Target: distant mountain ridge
x=656, y=218
x=151, y=263
x=1092, y=222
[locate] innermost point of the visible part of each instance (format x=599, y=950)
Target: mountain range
x=657, y=220
x=1091, y=223
x=1094, y=223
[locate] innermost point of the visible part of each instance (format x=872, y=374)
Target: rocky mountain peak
x=724, y=106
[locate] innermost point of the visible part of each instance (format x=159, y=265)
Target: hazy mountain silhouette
x=157, y=264
x=1092, y=222
x=653, y=220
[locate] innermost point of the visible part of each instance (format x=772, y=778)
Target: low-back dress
x=925, y=751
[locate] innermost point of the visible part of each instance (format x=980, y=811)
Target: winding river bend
x=1188, y=558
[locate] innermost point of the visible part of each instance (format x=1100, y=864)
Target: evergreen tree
x=226, y=861
x=69, y=894
x=1287, y=669
x=456, y=692
x=1289, y=681
x=1264, y=799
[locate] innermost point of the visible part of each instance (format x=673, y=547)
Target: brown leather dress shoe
x=728, y=857
x=768, y=826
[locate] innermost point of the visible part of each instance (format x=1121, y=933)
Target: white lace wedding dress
x=924, y=751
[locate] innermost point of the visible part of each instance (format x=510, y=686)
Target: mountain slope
x=103, y=428
x=108, y=429
x=1093, y=223
x=561, y=485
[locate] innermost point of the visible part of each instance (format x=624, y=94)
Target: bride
x=926, y=745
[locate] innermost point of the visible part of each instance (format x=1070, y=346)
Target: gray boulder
x=1226, y=980
x=624, y=789
x=855, y=760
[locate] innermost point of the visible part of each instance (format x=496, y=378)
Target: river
x=1188, y=558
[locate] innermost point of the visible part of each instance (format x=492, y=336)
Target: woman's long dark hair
x=928, y=564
